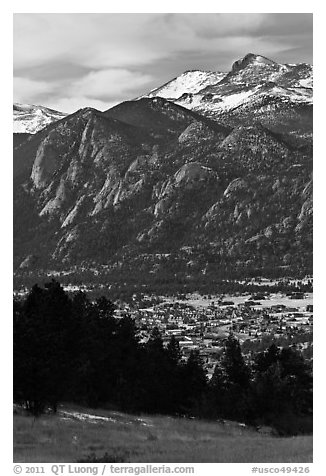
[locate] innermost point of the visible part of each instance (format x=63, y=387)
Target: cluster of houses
x=206, y=328
x=204, y=325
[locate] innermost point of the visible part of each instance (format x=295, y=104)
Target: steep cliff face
x=85, y=162
x=252, y=60
x=191, y=178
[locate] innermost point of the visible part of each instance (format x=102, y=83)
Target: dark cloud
x=302, y=52
x=285, y=25
x=226, y=25
x=53, y=71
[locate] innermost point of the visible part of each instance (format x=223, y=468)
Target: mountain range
x=256, y=89
x=209, y=175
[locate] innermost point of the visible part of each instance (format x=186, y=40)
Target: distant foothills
x=207, y=177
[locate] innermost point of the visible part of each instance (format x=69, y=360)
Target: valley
x=163, y=307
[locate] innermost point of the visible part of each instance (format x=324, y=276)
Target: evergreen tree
x=234, y=367
x=194, y=383
x=282, y=390
x=264, y=360
x=174, y=351
x=229, y=386
x=174, y=390
x=74, y=349
x=126, y=365
x=42, y=348
x=155, y=373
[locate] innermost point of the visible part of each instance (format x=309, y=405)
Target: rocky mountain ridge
x=256, y=90
x=152, y=190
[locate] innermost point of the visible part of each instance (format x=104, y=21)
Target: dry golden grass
x=52, y=438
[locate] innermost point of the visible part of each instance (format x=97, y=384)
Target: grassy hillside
x=72, y=435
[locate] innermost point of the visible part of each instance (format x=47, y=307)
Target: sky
x=67, y=61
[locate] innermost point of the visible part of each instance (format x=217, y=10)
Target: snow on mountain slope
x=251, y=78
x=221, y=102
x=188, y=82
x=31, y=119
x=306, y=83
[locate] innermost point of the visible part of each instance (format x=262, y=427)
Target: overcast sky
x=69, y=61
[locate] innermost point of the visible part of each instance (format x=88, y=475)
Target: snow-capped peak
x=251, y=59
x=29, y=118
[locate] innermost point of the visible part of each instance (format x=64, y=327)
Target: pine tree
x=229, y=386
x=264, y=360
x=194, y=383
x=42, y=347
x=282, y=390
x=233, y=364
x=174, y=351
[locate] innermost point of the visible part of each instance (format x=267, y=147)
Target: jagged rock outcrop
x=252, y=60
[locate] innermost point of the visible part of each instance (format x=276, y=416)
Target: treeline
x=73, y=349
x=128, y=285
x=267, y=340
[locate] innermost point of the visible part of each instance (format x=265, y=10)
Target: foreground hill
x=75, y=434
